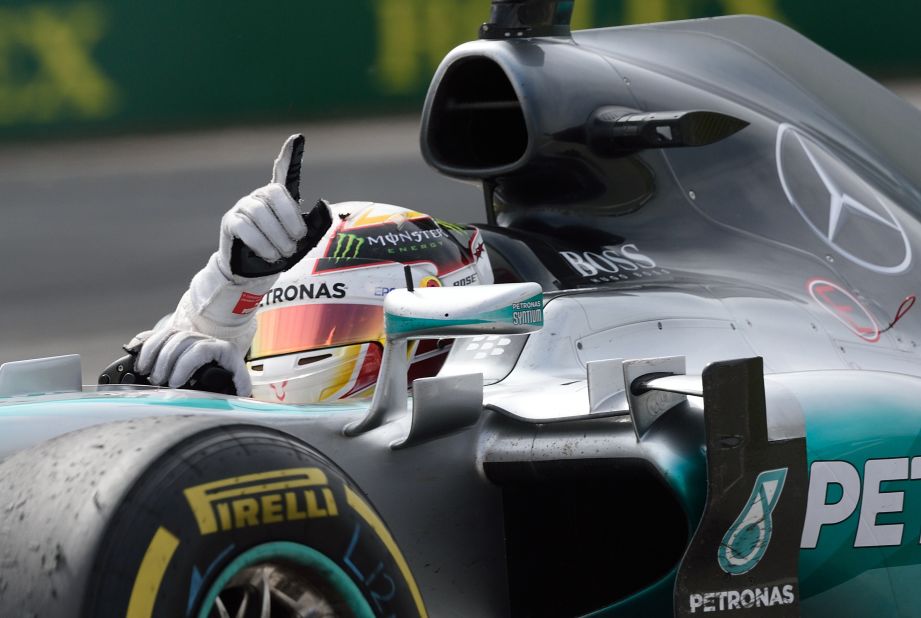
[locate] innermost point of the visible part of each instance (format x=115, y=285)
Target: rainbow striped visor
x=296, y=328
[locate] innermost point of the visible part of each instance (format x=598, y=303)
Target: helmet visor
x=297, y=328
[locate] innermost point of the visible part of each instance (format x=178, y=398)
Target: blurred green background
x=87, y=67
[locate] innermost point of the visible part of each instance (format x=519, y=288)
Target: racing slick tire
x=191, y=518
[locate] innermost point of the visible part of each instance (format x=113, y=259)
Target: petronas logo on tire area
x=748, y=537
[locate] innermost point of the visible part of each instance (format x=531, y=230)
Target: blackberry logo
x=487, y=345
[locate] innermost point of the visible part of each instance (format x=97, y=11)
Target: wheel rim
x=283, y=580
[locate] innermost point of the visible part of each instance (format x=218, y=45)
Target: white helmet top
x=320, y=329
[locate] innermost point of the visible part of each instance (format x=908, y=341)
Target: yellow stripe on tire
x=150, y=575
x=364, y=510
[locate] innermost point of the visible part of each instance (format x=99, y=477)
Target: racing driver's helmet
x=320, y=329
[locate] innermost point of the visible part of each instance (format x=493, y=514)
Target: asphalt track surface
x=100, y=238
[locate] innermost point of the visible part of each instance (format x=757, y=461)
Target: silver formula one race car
x=694, y=389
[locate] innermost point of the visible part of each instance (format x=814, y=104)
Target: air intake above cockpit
x=476, y=118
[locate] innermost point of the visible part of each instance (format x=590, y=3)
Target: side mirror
x=507, y=308
x=615, y=131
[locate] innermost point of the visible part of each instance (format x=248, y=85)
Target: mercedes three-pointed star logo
x=840, y=206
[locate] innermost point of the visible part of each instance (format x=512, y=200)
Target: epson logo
x=609, y=260
x=303, y=291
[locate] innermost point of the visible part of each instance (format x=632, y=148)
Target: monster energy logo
x=347, y=246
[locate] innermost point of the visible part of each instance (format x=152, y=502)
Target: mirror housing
x=506, y=308
x=617, y=131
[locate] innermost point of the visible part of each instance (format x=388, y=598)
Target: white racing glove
x=214, y=318
x=171, y=356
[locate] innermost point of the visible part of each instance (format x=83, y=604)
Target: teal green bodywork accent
x=853, y=417
x=298, y=554
x=188, y=400
x=850, y=416
x=684, y=470
x=397, y=325
x=686, y=474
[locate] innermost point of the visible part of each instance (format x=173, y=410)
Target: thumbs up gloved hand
x=266, y=226
x=214, y=319
x=268, y=221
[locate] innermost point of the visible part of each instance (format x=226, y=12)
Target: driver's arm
x=214, y=321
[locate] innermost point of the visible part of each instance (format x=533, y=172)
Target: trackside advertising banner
x=87, y=66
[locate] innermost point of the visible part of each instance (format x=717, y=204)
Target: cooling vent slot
x=476, y=121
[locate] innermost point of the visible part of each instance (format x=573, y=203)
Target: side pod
x=744, y=554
